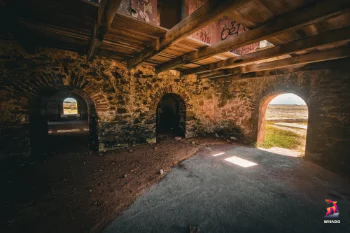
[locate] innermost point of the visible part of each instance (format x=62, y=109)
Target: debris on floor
x=66, y=191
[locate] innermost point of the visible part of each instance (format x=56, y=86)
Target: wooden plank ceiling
x=305, y=29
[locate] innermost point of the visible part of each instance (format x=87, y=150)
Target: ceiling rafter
x=312, y=57
x=307, y=43
x=331, y=64
x=286, y=22
x=206, y=14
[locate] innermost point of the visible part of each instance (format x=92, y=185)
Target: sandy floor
x=83, y=191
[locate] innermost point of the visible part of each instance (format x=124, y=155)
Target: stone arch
x=171, y=90
x=263, y=104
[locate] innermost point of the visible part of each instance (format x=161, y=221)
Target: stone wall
x=326, y=92
x=124, y=101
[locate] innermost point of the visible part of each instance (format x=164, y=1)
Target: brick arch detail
x=171, y=90
x=41, y=83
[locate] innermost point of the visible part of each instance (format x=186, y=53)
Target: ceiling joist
x=206, y=14
x=296, y=28
x=312, y=57
x=290, y=21
x=331, y=64
x=326, y=38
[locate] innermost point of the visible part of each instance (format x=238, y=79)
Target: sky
x=288, y=99
x=69, y=100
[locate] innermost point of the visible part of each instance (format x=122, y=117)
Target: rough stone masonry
x=123, y=102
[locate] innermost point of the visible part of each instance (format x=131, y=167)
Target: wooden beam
x=331, y=64
x=312, y=57
x=325, y=38
x=105, y=16
x=318, y=12
x=206, y=14
x=340, y=64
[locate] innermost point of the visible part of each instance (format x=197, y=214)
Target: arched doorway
x=62, y=121
x=282, y=127
x=171, y=116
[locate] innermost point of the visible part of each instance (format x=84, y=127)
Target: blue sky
x=70, y=100
x=288, y=99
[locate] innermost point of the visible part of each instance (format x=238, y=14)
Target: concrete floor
x=280, y=194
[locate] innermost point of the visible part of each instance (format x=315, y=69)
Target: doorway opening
x=70, y=106
x=62, y=122
x=171, y=116
x=283, y=125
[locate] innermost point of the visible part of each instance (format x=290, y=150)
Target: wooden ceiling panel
x=172, y=53
x=337, y=22
x=282, y=6
x=183, y=47
x=135, y=42
x=314, y=29
x=140, y=27
x=129, y=35
x=192, y=43
x=120, y=46
x=70, y=24
x=270, y=59
x=255, y=12
x=179, y=49
x=324, y=48
x=287, y=37
x=208, y=61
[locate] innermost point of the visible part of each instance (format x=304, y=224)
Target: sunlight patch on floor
x=67, y=130
x=240, y=162
x=218, y=154
x=282, y=151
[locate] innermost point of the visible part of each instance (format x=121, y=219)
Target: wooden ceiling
x=302, y=31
